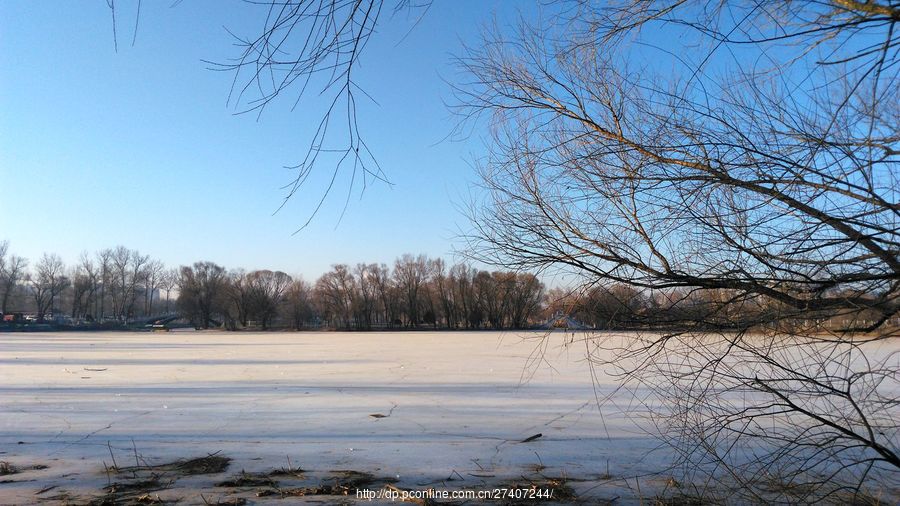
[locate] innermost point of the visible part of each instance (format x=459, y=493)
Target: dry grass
x=558, y=488
x=142, y=480
x=210, y=464
x=248, y=480
x=132, y=493
x=6, y=468
x=340, y=483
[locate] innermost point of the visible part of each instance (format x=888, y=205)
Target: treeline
x=120, y=285
x=113, y=284
x=621, y=307
x=415, y=292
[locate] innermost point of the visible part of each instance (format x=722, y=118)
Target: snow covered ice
x=451, y=410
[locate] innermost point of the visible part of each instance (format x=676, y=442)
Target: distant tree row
x=618, y=306
x=112, y=284
x=122, y=285
x=416, y=292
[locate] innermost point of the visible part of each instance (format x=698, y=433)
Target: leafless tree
x=611, y=307
x=367, y=298
x=335, y=292
x=238, y=295
x=526, y=296
x=302, y=48
x=168, y=283
x=444, y=292
x=81, y=291
x=4, y=251
x=755, y=185
x=267, y=292
x=388, y=294
x=12, y=273
x=128, y=273
x=104, y=266
x=48, y=281
x=490, y=298
x=201, y=292
x=462, y=280
x=299, y=303
x=153, y=274
x=306, y=45
x=410, y=274
x=87, y=277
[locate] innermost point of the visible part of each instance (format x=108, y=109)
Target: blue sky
x=138, y=147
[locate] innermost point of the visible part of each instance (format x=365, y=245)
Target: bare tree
x=761, y=199
x=81, y=291
x=367, y=296
x=463, y=277
x=48, y=282
x=387, y=294
x=489, y=298
x=104, y=263
x=267, y=292
x=305, y=47
x=168, y=282
x=4, y=250
x=313, y=44
x=201, y=292
x=13, y=272
x=129, y=271
x=299, y=303
x=526, y=295
x=153, y=274
x=410, y=274
x=444, y=293
x=239, y=297
x=335, y=292
x=89, y=275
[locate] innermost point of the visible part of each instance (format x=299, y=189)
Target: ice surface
x=455, y=405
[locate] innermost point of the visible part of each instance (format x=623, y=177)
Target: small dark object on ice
x=380, y=415
x=532, y=438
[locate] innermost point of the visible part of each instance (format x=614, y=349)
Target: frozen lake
x=452, y=412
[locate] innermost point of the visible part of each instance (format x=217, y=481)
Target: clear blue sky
x=137, y=147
